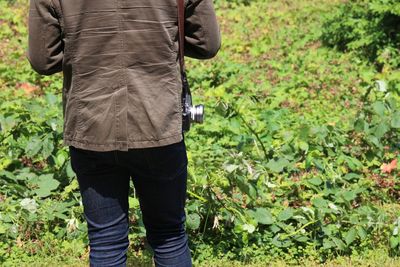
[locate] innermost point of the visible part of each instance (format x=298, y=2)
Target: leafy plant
x=368, y=28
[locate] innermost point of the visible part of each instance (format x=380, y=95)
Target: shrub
x=370, y=28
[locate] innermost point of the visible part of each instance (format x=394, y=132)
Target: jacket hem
x=122, y=145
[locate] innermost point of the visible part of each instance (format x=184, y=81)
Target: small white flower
x=14, y=229
x=333, y=206
x=216, y=222
x=249, y=228
x=396, y=230
x=72, y=225
x=29, y=204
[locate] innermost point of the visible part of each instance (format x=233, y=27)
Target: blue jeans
x=159, y=176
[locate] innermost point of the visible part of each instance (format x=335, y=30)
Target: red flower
x=388, y=168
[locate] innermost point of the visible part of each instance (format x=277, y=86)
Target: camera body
x=190, y=114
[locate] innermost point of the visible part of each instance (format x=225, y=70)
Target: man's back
x=122, y=86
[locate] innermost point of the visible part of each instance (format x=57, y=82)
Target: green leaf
x=51, y=99
x=395, y=122
x=193, y=221
x=277, y=165
x=47, y=147
x=379, y=108
x=11, y=175
x=360, y=125
x=304, y=132
x=133, y=202
x=70, y=171
x=249, y=228
x=33, y=147
x=235, y=126
x=380, y=130
x=252, y=191
x=349, y=195
x=302, y=238
x=46, y=183
x=61, y=216
x=350, y=236
x=274, y=228
x=61, y=158
x=303, y=146
x=339, y=243
x=327, y=243
x=361, y=232
x=373, y=140
x=230, y=168
x=263, y=216
x=3, y=228
x=394, y=241
x=286, y=214
x=353, y=163
x=315, y=181
x=280, y=243
x=320, y=202
x=351, y=176
x=318, y=164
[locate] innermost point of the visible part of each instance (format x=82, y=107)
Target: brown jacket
x=122, y=86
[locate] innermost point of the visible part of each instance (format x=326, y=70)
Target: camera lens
x=197, y=113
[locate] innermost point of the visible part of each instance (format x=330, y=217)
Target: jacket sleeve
x=45, y=51
x=202, y=34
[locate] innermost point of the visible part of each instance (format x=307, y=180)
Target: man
x=122, y=111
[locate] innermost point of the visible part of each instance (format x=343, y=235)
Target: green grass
x=373, y=259
x=52, y=252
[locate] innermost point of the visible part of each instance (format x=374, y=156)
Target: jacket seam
x=129, y=140
x=113, y=143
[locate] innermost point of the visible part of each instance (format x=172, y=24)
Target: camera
x=190, y=114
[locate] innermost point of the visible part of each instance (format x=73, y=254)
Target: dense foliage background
x=370, y=28
x=297, y=159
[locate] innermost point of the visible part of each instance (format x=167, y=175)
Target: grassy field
x=286, y=170
x=374, y=259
